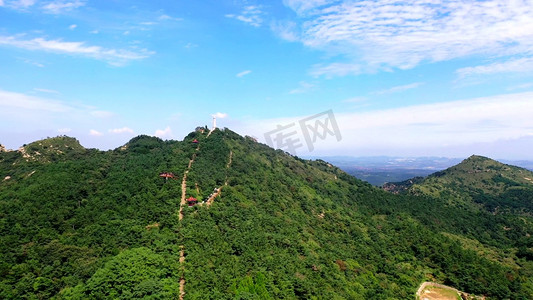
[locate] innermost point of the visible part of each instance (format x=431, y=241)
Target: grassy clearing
x=439, y=293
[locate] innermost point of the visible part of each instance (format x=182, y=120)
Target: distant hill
x=378, y=170
x=494, y=185
x=219, y=216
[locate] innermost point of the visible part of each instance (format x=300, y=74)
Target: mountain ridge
x=487, y=174
x=281, y=227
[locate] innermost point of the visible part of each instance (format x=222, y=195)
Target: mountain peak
x=476, y=174
x=475, y=157
x=49, y=148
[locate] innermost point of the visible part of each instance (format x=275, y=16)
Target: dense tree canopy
x=92, y=224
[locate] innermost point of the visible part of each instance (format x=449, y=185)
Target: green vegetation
x=90, y=224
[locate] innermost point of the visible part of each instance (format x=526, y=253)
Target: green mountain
x=86, y=224
x=478, y=180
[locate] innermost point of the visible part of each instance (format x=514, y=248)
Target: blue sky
x=403, y=78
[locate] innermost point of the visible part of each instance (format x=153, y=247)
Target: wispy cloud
x=57, y=7
x=286, y=30
x=14, y=100
x=93, y=132
x=101, y=114
x=168, y=18
x=303, y=87
x=243, y=73
x=72, y=27
x=520, y=65
x=36, y=115
x=428, y=126
x=399, y=88
x=117, y=57
x=220, y=115
x=121, y=130
x=164, y=133
x=384, y=35
x=305, y=6
x=521, y=86
x=251, y=15
x=355, y=100
x=46, y=91
x=336, y=69
x=17, y=4
x=452, y=123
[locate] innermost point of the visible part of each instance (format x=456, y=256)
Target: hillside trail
x=219, y=190
x=183, y=203
x=180, y=217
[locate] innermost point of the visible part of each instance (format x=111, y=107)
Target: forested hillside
x=86, y=224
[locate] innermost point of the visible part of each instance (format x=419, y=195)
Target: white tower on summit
x=214, y=122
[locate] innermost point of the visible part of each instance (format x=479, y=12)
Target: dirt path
x=212, y=198
x=183, y=193
x=183, y=204
x=228, y=165
x=230, y=159
x=182, y=279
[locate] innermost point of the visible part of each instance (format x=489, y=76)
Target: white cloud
x=429, y=126
x=219, y=115
x=250, y=14
x=286, y=30
x=13, y=100
x=112, y=56
x=101, y=114
x=31, y=62
x=304, y=87
x=452, y=123
x=72, y=27
x=25, y=117
x=95, y=133
x=304, y=6
x=387, y=34
x=94, y=31
x=336, y=69
x=164, y=133
x=355, y=100
x=521, y=86
x=514, y=65
x=57, y=7
x=46, y=91
x=243, y=73
x=399, y=88
x=17, y=4
x=168, y=18
x=190, y=45
x=121, y=130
